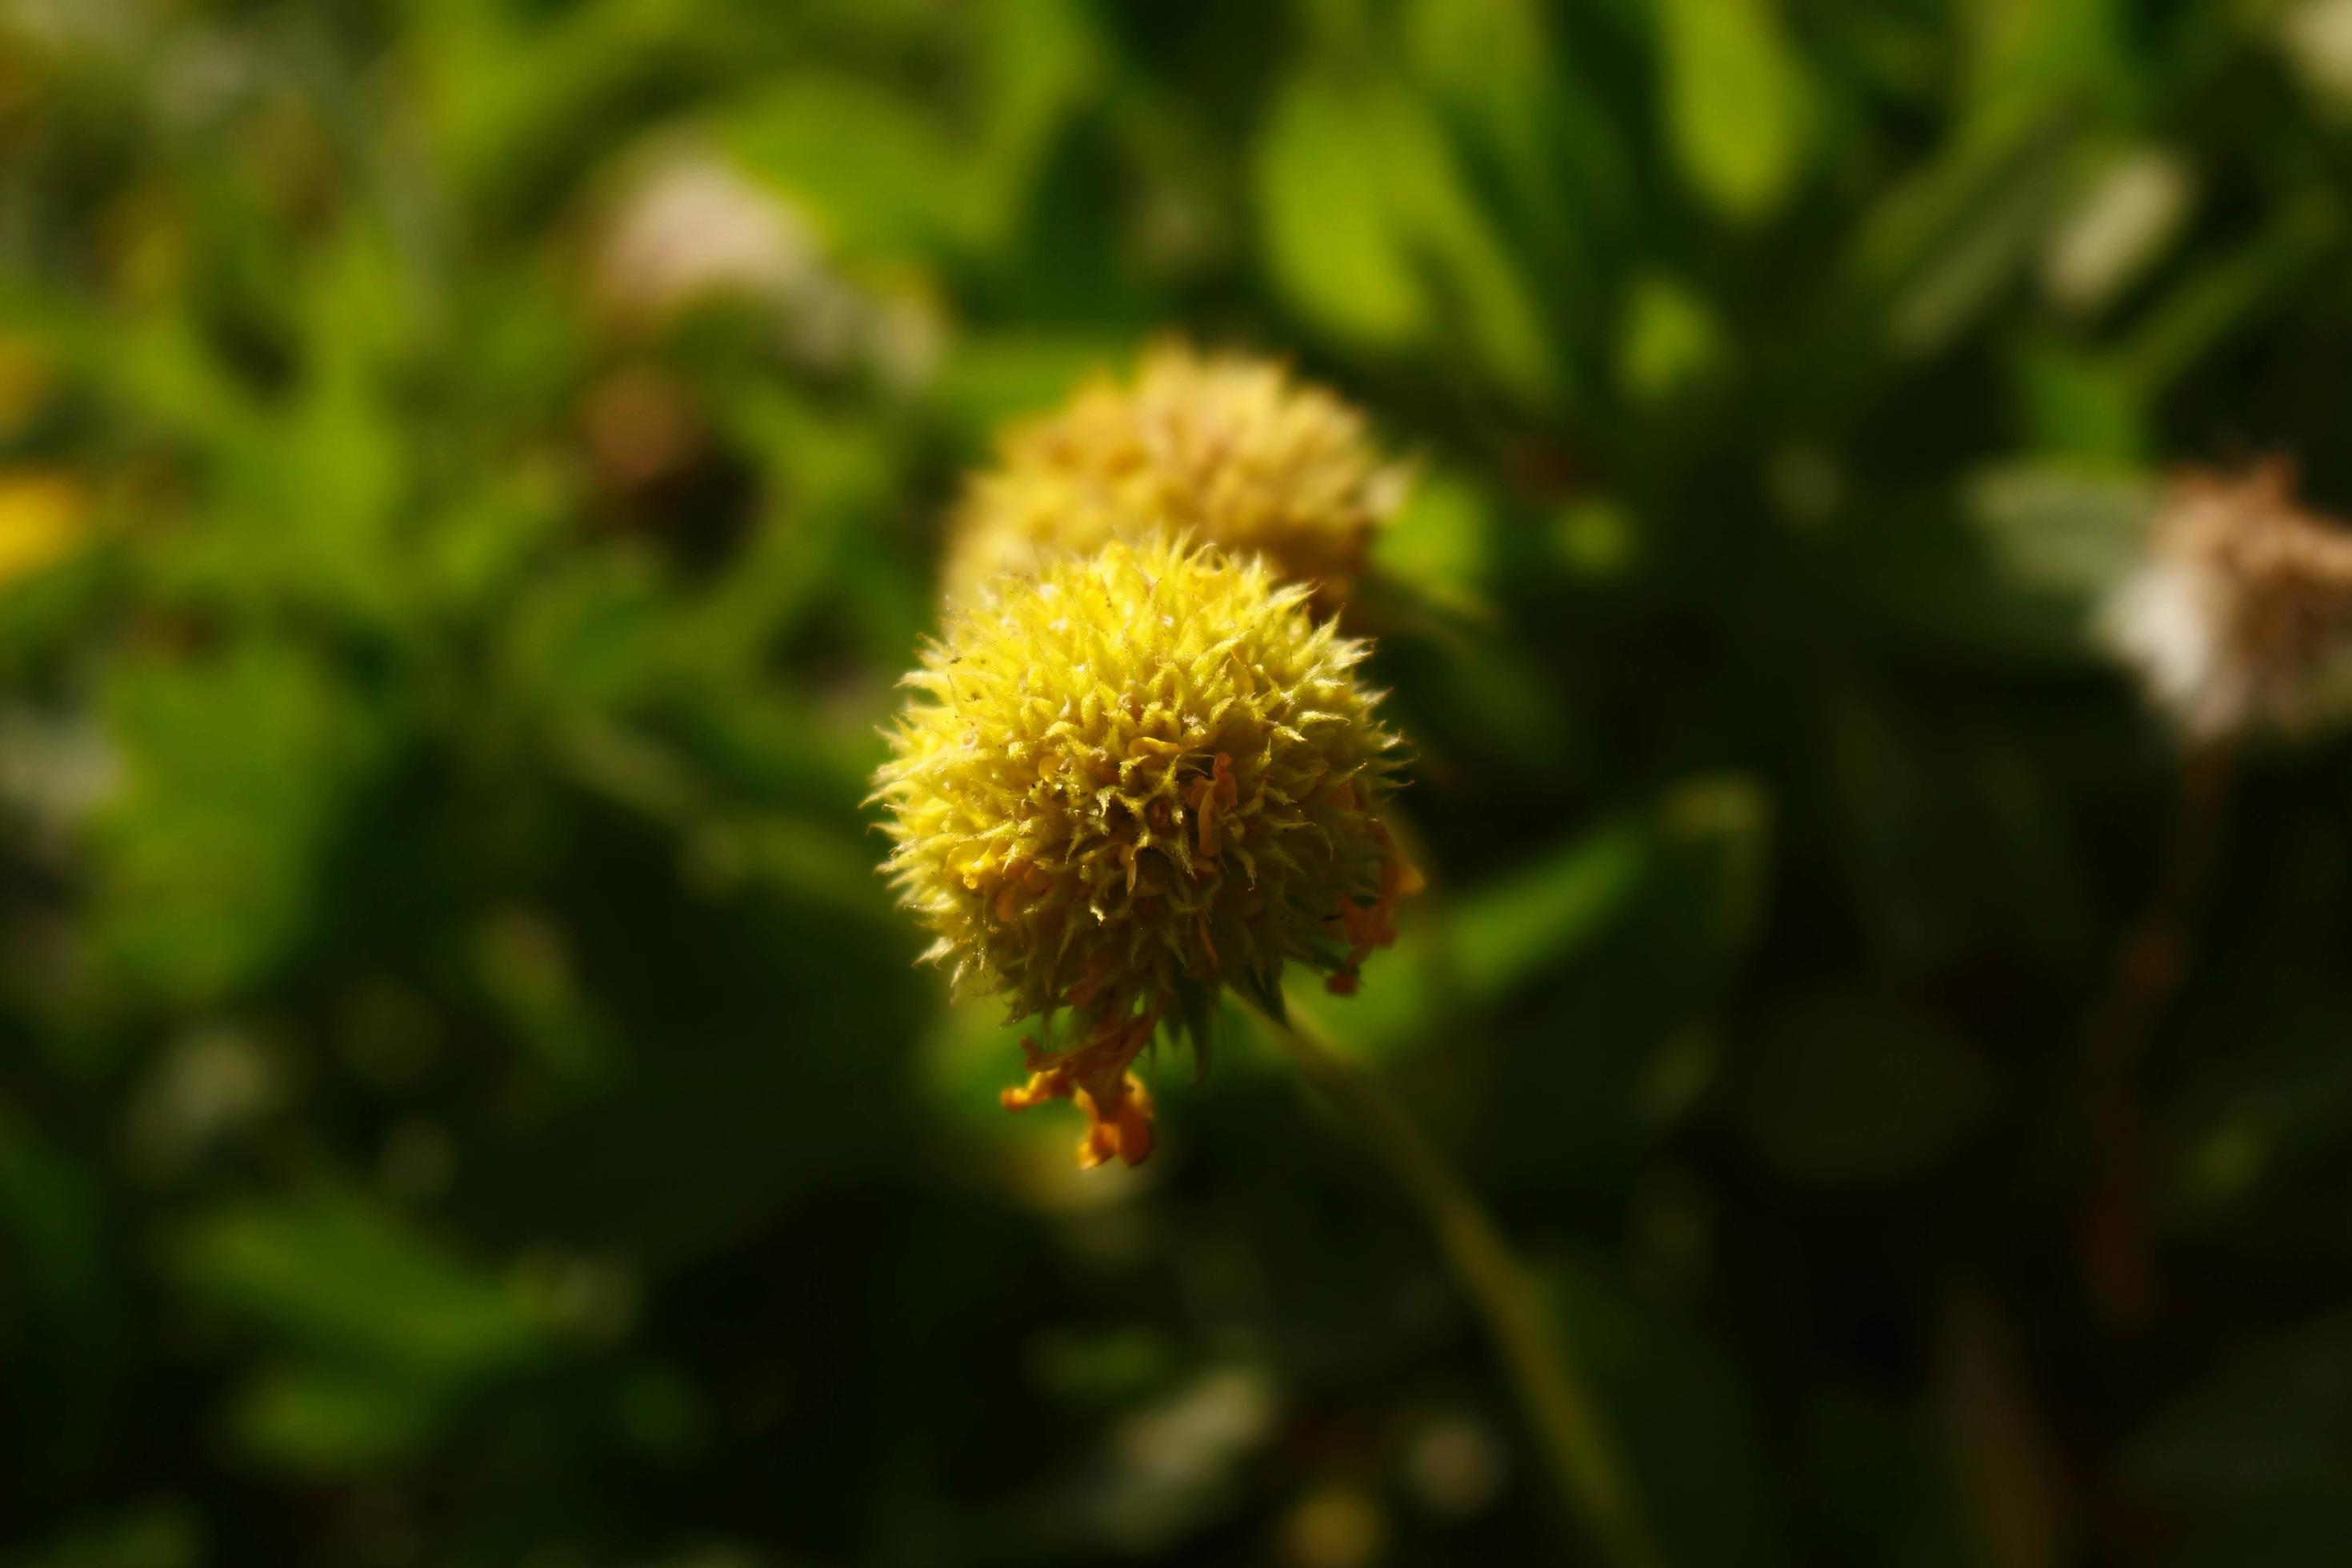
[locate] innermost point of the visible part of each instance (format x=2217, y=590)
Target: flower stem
x=1560, y=1406
x=2118, y=1219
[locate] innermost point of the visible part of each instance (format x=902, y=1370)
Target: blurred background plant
x=470, y=473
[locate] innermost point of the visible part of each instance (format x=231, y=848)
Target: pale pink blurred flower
x=2238, y=615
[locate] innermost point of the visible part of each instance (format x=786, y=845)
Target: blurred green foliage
x=469, y=478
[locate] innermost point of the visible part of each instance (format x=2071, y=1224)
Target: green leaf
x=239, y=771
x=1370, y=226
x=2014, y=563
x=1682, y=1424
x=2227, y=296
x=2266, y=1420
x=2059, y=529
x=1735, y=100
x=1045, y=66
x=314, y=1420
x=993, y=378
x=1442, y=548
x=1625, y=933
x=50, y=1213
x=349, y=1278
x=881, y=179
x=1331, y=236
x=147, y=1535
x=1845, y=1088
x=1895, y=1499
x=2083, y=408
x=1671, y=338
x=1496, y=66
x=2297, y=1525
x=1701, y=848
x=1511, y=931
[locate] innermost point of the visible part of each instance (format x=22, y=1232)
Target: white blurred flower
x=2239, y=615
x=206, y=1088
x=2120, y=225
x=2317, y=39
x=53, y=771
x=1174, y=1463
x=1454, y=1464
x=690, y=229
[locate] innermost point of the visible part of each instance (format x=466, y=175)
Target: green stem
x=1561, y=1408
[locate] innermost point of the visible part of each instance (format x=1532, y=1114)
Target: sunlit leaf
x=1734, y=101
x=1370, y=229
x=1333, y=241
x=1671, y=338
x=879, y=177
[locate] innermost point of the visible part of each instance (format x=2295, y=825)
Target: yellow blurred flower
x=1230, y=450
x=44, y=517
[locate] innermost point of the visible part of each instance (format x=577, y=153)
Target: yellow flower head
x=1226, y=447
x=1127, y=781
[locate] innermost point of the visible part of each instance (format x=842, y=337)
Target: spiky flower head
x=1227, y=447
x=2239, y=615
x=1126, y=782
